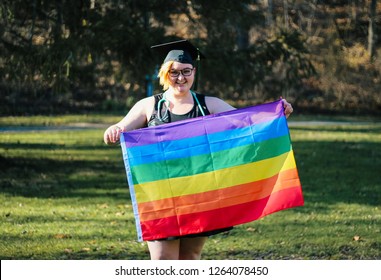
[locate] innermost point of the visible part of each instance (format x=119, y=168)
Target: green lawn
x=64, y=195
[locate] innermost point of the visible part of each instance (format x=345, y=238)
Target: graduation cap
x=181, y=51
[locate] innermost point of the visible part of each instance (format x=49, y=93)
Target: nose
x=181, y=76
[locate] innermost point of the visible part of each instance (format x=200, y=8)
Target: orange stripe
x=216, y=199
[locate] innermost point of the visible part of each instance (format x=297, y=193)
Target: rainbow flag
x=211, y=172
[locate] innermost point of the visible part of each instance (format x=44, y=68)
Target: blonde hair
x=163, y=74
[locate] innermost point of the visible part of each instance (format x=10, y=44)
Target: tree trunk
x=371, y=33
x=59, y=21
x=285, y=13
x=269, y=12
x=354, y=11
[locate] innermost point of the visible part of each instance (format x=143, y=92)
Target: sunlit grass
x=64, y=195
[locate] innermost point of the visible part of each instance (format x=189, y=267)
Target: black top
x=166, y=116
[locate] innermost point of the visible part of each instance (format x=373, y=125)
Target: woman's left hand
x=287, y=107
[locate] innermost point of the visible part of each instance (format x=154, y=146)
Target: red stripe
x=223, y=217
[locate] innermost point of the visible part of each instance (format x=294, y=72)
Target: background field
x=64, y=195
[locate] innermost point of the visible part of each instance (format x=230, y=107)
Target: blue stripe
x=208, y=143
x=132, y=192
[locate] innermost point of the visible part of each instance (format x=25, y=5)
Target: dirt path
x=83, y=126
x=76, y=126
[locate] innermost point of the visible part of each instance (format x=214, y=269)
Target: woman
x=178, y=102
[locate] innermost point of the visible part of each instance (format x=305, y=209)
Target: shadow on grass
x=333, y=172
x=68, y=172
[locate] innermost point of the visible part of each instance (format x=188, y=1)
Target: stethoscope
x=165, y=101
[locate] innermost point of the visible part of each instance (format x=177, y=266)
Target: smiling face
x=181, y=77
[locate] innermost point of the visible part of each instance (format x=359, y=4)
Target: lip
x=181, y=87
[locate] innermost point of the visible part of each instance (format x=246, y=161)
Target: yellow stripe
x=214, y=180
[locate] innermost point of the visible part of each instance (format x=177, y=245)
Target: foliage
x=67, y=55
x=64, y=195
x=60, y=52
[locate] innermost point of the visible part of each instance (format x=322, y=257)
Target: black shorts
x=202, y=234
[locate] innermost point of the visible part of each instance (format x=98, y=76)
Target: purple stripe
x=204, y=125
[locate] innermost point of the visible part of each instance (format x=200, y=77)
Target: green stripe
x=209, y=162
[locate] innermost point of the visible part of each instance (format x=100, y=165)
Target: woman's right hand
x=112, y=135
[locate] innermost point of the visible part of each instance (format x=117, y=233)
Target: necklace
x=165, y=103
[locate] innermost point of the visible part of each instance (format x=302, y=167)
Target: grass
x=64, y=195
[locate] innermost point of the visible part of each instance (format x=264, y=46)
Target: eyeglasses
x=185, y=72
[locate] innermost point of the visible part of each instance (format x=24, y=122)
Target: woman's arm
x=136, y=118
x=216, y=105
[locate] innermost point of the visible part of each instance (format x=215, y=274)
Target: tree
x=371, y=33
x=96, y=54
